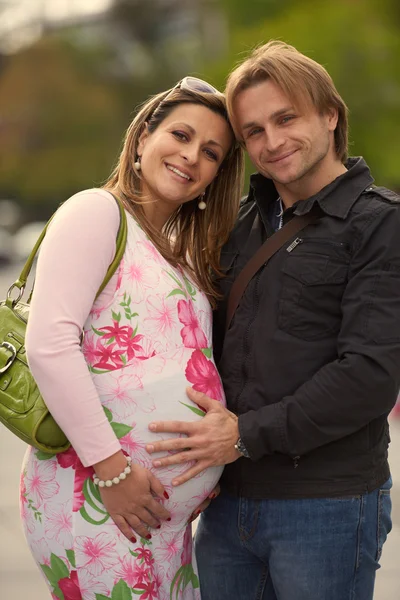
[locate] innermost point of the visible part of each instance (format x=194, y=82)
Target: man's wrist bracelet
x=115, y=480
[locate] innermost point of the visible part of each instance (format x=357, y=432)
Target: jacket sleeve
x=75, y=255
x=362, y=383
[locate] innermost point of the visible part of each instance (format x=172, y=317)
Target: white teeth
x=178, y=172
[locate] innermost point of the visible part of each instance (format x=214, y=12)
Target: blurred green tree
x=66, y=100
x=59, y=128
x=359, y=44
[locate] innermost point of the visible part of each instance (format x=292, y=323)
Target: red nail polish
x=148, y=537
x=169, y=518
x=158, y=527
x=197, y=512
x=133, y=540
x=166, y=496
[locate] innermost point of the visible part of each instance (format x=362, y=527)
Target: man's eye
x=254, y=131
x=287, y=119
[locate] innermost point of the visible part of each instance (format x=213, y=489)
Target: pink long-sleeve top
x=78, y=248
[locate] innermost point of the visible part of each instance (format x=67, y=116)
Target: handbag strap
x=120, y=245
x=20, y=283
x=262, y=256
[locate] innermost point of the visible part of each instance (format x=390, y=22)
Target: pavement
x=21, y=580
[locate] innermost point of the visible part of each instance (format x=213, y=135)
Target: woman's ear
x=142, y=139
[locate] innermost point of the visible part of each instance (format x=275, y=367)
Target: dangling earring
x=137, y=164
x=202, y=205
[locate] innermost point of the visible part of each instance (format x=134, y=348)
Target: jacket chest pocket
x=313, y=284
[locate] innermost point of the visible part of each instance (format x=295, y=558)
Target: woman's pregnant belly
x=155, y=390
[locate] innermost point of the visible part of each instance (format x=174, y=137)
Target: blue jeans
x=311, y=549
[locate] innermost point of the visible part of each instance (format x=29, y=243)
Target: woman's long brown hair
x=191, y=238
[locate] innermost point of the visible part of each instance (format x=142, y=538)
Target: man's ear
x=142, y=139
x=332, y=118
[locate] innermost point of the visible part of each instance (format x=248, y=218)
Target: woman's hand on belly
x=132, y=504
x=216, y=491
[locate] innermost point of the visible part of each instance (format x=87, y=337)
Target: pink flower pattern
x=96, y=554
x=146, y=339
x=162, y=318
x=40, y=484
x=141, y=277
x=201, y=372
x=192, y=334
x=59, y=523
x=67, y=459
x=131, y=571
x=70, y=587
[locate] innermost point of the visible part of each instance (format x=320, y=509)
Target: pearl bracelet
x=115, y=480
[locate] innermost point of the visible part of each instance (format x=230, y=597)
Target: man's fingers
x=176, y=459
x=171, y=427
x=168, y=445
x=192, y=472
x=204, y=401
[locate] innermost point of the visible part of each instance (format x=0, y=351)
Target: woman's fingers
x=138, y=527
x=216, y=492
x=147, y=517
x=156, y=486
x=158, y=510
x=125, y=528
x=206, y=502
x=132, y=505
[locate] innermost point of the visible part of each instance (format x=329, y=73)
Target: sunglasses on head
x=194, y=84
x=191, y=84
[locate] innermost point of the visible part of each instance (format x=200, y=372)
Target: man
x=311, y=362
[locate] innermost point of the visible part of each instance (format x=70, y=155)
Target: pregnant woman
x=100, y=523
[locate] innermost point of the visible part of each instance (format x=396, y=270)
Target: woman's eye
x=211, y=154
x=180, y=135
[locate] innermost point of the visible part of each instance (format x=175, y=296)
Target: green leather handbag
x=22, y=408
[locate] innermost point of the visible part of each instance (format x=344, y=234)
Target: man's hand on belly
x=210, y=442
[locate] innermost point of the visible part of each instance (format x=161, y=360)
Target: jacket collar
x=336, y=199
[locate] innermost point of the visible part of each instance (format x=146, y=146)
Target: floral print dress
x=143, y=348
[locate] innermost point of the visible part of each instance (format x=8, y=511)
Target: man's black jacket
x=311, y=362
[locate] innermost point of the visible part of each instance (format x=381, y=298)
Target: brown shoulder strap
x=263, y=254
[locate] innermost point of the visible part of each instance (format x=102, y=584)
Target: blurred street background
x=72, y=73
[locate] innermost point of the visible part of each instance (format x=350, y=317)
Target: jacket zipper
x=294, y=244
x=298, y=241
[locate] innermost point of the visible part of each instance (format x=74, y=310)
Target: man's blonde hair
x=301, y=78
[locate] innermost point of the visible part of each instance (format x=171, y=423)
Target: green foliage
x=359, y=44
x=65, y=104
x=60, y=126
x=244, y=14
